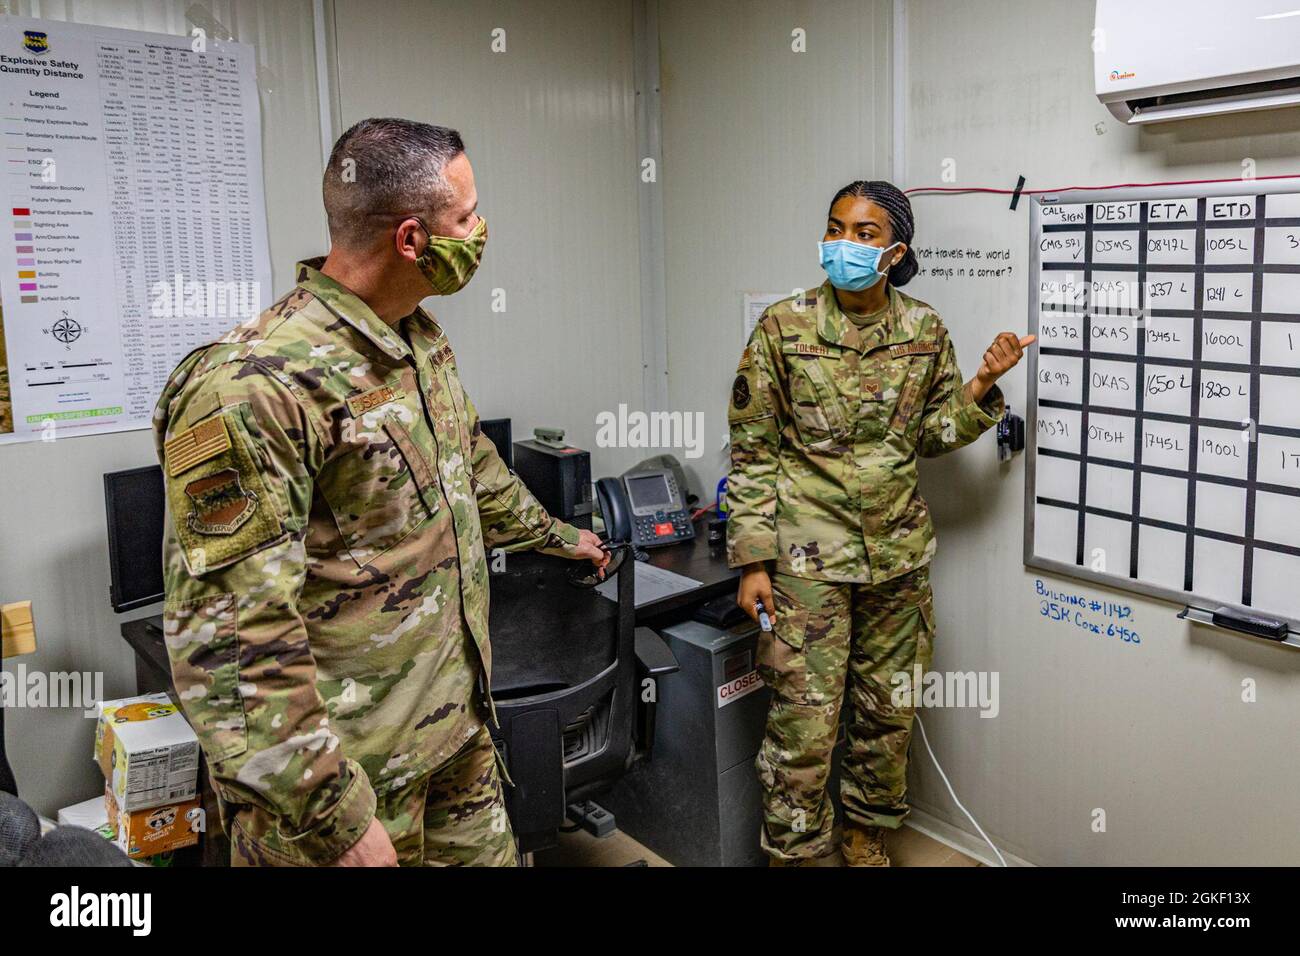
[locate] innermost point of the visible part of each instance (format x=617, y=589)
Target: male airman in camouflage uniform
x=331, y=497
x=827, y=419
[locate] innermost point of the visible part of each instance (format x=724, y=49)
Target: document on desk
x=652, y=584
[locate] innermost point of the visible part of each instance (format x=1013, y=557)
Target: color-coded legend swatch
x=27, y=284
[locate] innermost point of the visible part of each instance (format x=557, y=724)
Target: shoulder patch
x=740, y=394
x=218, y=496
x=196, y=445
x=744, y=360
x=442, y=356
x=220, y=503
x=358, y=405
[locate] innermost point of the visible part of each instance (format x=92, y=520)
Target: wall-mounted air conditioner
x=1158, y=60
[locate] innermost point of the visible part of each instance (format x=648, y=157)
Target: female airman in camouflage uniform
x=837, y=394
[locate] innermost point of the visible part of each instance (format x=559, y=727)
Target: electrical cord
x=953, y=794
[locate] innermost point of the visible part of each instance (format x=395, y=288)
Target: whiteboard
x=1164, y=451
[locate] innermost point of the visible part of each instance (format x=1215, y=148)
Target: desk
x=695, y=559
x=706, y=563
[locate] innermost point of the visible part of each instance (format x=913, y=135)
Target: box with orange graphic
x=147, y=751
x=143, y=833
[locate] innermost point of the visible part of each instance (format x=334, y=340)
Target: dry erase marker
x=764, y=621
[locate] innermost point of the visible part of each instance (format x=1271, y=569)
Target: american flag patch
x=196, y=445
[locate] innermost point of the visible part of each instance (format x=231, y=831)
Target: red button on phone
x=663, y=529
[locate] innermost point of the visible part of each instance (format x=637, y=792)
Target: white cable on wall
x=943, y=776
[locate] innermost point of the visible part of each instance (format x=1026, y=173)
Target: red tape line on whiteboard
x=958, y=190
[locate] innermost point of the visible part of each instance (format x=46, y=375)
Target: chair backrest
x=564, y=683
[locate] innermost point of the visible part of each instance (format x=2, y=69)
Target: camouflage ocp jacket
x=827, y=421
x=331, y=497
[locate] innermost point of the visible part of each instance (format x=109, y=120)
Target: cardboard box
x=146, y=833
x=91, y=814
x=147, y=751
x=109, y=706
x=17, y=629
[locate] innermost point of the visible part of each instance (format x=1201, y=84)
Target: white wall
x=757, y=138
x=1156, y=735
x=54, y=551
x=550, y=130
x=549, y=126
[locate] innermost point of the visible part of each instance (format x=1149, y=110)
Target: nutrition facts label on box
x=1167, y=391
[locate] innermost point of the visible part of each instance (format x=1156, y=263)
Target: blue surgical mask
x=852, y=266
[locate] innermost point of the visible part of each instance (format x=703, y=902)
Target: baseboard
x=972, y=844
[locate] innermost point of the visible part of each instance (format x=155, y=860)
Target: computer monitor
x=133, y=503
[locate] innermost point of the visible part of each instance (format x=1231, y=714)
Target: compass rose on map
x=65, y=329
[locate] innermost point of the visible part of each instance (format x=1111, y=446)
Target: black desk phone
x=647, y=508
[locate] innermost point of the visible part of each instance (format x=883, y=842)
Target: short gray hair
x=381, y=169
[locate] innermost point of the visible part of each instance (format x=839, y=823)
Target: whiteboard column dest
x=650, y=207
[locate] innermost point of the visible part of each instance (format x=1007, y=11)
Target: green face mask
x=449, y=264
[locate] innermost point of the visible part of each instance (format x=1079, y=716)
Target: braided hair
x=891, y=199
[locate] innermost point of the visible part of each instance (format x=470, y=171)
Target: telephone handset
x=646, y=508
x=611, y=499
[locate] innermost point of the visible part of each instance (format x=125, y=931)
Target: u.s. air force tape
x=928, y=347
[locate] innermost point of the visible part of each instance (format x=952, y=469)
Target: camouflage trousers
x=831, y=638
x=454, y=816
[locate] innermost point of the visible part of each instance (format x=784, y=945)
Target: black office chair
x=568, y=667
x=568, y=662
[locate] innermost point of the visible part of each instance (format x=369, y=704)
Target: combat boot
x=864, y=846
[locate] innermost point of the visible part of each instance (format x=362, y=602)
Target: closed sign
x=733, y=690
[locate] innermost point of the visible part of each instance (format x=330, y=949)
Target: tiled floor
x=907, y=847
